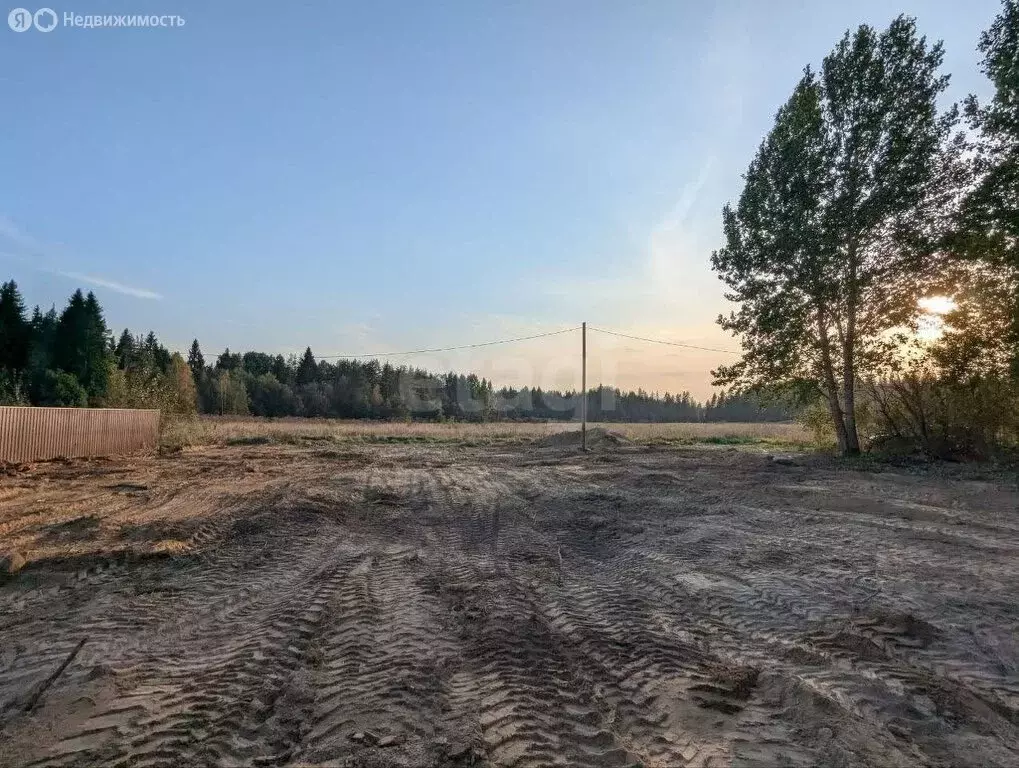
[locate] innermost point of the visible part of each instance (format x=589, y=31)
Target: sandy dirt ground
x=443, y=605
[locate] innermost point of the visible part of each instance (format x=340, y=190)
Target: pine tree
x=124, y=351
x=15, y=331
x=70, y=344
x=228, y=361
x=307, y=371
x=44, y=330
x=97, y=355
x=280, y=369
x=196, y=362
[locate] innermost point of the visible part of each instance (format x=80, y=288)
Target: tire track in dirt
x=441, y=607
x=379, y=669
x=206, y=693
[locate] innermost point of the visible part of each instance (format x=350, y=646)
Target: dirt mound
x=598, y=437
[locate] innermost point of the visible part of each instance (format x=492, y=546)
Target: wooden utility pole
x=583, y=386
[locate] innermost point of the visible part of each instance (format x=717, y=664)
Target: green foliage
x=228, y=361
x=142, y=373
x=271, y=397
x=307, y=371
x=979, y=340
x=81, y=345
x=922, y=411
x=60, y=389
x=988, y=227
x=15, y=332
x=834, y=237
x=196, y=362
x=229, y=395
x=12, y=389
x=124, y=352
x=257, y=363
x=44, y=331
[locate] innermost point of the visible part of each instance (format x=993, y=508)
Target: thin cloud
x=130, y=290
x=32, y=247
x=10, y=231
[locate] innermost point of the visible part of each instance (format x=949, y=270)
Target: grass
x=215, y=430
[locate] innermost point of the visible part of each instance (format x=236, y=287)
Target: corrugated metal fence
x=28, y=434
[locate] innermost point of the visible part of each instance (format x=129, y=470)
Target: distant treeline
x=71, y=359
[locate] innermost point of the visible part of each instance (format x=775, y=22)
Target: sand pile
x=599, y=437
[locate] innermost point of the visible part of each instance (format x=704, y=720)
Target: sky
x=390, y=176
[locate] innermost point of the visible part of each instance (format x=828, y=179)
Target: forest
x=72, y=359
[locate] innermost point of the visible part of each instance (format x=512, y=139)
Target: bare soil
x=444, y=605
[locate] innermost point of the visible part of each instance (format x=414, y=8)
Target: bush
x=57, y=388
x=976, y=419
x=12, y=391
x=817, y=420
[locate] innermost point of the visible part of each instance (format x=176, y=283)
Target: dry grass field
x=234, y=430
x=334, y=597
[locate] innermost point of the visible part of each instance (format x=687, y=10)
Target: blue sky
x=384, y=176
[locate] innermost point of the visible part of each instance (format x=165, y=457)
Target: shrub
x=57, y=388
x=975, y=419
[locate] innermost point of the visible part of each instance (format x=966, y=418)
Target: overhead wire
x=448, y=349
x=661, y=341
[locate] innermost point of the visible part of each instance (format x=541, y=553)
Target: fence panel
x=28, y=434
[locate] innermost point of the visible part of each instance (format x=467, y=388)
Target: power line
x=659, y=341
x=447, y=349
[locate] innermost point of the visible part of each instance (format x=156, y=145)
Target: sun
x=937, y=305
x=932, y=322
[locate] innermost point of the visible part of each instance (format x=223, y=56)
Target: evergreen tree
x=124, y=352
x=228, y=361
x=157, y=353
x=281, y=370
x=44, y=331
x=196, y=362
x=15, y=332
x=81, y=344
x=307, y=371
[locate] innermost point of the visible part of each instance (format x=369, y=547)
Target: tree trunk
x=831, y=390
x=849, y=360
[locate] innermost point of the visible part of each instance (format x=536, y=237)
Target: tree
x=124, y=352
x=60, y=389
x=307, y=371
x=281, y=370
x=256, y=363
x=228, y=361
x=196, y=362
x=270, y=397
x=15, y=344
x=230, y=396
x=157, y=353
x=989, y=218
x=15, y=332
x=40, y=358
x=81, y=345
x=833, y=239
x=180, y=395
